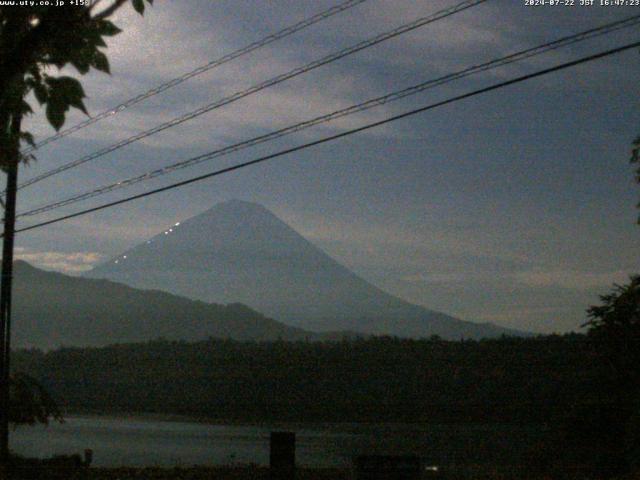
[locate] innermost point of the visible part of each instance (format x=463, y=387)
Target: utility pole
x=13, y=157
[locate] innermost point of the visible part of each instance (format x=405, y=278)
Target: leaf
x=79, y=104
x=26, y=108
x=41, y=92
x=55, y=113
x=27, y=158
x=94, y=38
x=138, y=6
x=99, y=42
x=107, y=28
x=64, y=92
x=81, y=58
x=100, y=62
x=81, y=64
x=69, y=90
x=28, y=138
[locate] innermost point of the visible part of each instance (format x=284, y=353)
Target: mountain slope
x=52, y=309
x=240, y=252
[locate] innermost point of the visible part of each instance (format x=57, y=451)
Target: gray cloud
x=73, y=262
x=515, y=207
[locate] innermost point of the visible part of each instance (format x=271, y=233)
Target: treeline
x=375, y=379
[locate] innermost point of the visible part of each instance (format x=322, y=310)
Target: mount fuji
x=241, y=252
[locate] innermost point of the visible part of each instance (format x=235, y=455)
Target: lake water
x=135, y=442
x=141, y=442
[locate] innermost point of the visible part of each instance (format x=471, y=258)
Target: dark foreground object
x=61, y=467
x=253, y=472
x=244, y=472
x=282, y=456
x=385, y=467
x=177, y=473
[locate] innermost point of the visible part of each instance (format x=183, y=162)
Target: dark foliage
x=635, y=159
x=606, y=432
x=614, y=327
x=60, y=467
x=33, y=41
x=380, y=379
x=551, y=384
x=30, y=403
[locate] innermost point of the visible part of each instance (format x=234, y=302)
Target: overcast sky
x=515, y=207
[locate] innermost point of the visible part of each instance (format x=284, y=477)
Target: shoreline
x=311, y=424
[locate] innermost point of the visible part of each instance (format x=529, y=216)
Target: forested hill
x=375, y=379
x=52, y=309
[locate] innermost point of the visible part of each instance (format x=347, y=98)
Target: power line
x=397, y=95
x=457, y=98
x=261, y=86
x=202, y=69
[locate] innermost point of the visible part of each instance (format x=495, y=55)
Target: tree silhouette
x=34, y=42
x=37, y=40
x=30, y=403
x=635, y=159
x=615, y=328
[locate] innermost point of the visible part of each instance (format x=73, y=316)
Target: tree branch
x=94, y=4
x=111, y=10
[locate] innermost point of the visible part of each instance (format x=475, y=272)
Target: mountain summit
x=241, y=252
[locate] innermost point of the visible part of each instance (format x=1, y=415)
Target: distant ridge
x=239, y=251
x=53, y=310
